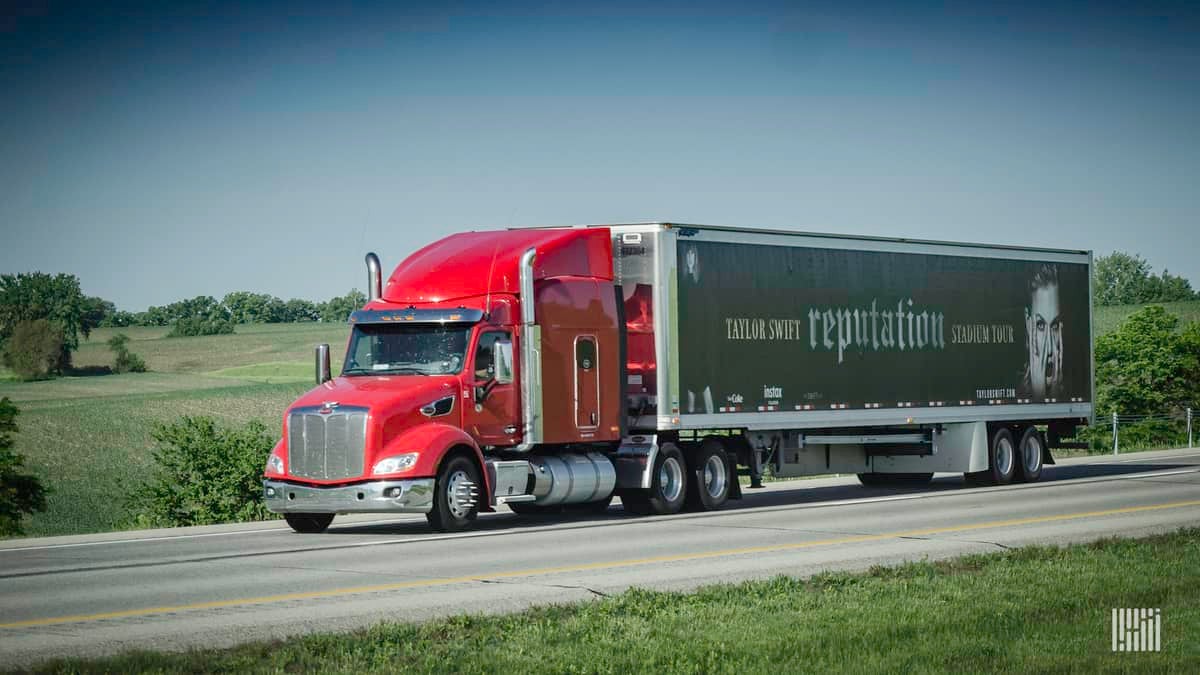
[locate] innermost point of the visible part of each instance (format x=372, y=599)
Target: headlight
x=275, y=464
x=396, y=464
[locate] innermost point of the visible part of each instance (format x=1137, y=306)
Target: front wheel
x=668, y=486
x=308, y=523
x=455, y=495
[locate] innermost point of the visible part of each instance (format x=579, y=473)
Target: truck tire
x=1030, y=449
x=668, y=486
x=708, y=477
x=456, y=495
x=1002, y=458
x=308, y=523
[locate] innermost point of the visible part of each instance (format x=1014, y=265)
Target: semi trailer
x=551, y=369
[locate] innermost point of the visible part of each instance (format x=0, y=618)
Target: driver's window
x=485, y=355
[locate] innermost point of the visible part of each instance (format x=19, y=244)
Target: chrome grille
x=326, y=446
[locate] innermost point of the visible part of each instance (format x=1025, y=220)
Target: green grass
x=88, y=438
x=1034, y=609
x=251, y=344
x=1106, y=319
x=92, y=451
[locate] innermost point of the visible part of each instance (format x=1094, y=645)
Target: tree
x=1173, y=288
x=337, y=310
x=120, y=319
x=301, y=310
x=1121, y=279
x=1147, y=366
x=207, y=474
x=125, y=361
x=20, y=493
x=57, y=298
x=34, y=350
x=1124, y=279
x=247, y=307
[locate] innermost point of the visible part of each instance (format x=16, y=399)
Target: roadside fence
x=1166, y=420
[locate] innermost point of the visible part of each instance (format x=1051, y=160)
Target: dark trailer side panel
x=768, y=328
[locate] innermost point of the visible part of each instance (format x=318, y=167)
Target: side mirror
x=324, y=370
x=503, y=351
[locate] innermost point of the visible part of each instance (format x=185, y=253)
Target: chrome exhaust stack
x=531, y=371
x=374, y=278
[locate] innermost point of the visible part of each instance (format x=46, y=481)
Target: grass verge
x=93, y=450
x=1033, y=609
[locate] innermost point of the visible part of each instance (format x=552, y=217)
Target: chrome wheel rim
x=670, y=479
x=714, y=477
x=1033, y=453
x=461, y=494
x=1004, y=456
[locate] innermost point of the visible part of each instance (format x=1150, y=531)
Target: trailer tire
x=308, y=523
x=708, y=477
x=668, y=486
x=456, y=493
x=1002, y=458
x=1031, y=449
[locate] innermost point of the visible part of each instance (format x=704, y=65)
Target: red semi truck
x=555, y=368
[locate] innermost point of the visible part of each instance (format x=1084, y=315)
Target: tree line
x=234, y=308
x=1126, y=279
x=43, y=317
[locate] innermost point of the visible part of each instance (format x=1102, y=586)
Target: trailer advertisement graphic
x=794, y=328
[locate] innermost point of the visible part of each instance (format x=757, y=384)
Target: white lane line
x=171, y=537
x=488, y=533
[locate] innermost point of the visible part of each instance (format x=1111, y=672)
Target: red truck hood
x=385, y=395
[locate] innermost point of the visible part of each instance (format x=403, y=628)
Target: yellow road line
x=683, y=557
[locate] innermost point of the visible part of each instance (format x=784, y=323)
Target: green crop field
x=1108, y=318
x=1028, y=610
x=88, y=438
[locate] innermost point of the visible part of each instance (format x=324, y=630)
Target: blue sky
x=166, y=152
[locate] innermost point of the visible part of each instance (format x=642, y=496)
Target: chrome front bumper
x=385, y=496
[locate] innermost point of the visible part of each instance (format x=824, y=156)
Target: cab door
x=490, y=414
x=587, y=383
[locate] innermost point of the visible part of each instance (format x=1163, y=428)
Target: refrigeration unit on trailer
x=551, y=369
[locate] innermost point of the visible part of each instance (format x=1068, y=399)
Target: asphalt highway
x=215, y=586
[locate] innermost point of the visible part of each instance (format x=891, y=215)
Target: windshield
x=406, y=349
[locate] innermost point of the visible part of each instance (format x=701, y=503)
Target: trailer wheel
x=668, y=486
x=1031, y=448
x=308, y=523
x=1002, y=458
x=455, y=495
x=708, y=477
